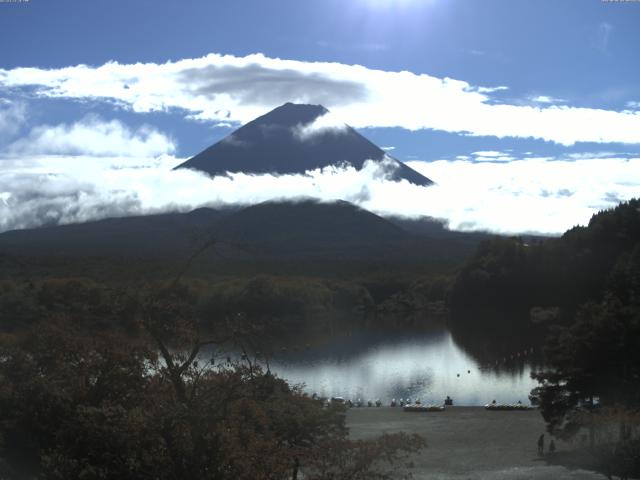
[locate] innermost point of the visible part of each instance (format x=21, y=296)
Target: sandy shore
x=469, y=442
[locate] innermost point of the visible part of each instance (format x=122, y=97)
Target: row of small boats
x=406, y=404
x=416, y=406
x=358, y=403
x=507, y=406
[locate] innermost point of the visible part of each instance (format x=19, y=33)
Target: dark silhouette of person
x=448, y=401
x=552, y=446
x=541, y=444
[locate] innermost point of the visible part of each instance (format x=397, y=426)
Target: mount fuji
x=294, y=139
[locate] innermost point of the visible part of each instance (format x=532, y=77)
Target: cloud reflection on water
x=420, y=366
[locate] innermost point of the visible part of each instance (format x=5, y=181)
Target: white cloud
x=547, y=99
x=487, y=153
x=233, y=89
x=12, y=117
x=490, y=156
x=491, y=89
x=95, y=137
x=505, y=158
x=327, y=123
x=633, y=105
x=592, y=155
x=533, y=195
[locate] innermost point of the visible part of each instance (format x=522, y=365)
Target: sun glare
x=396, y=3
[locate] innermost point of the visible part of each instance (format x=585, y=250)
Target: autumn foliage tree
x=160, y=404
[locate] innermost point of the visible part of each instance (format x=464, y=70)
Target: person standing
x=541, y=444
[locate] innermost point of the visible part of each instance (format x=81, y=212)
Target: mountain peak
x=290, y=115
x=293, y=139
x=295, y=112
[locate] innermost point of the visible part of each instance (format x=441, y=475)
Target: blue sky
x=526, y=82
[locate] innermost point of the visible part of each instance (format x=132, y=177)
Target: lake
x=427, y=366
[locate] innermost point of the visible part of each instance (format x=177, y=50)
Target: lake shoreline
x=469, y=442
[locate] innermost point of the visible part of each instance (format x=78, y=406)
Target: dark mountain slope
x=278, y=143
x=171, y=233
x=304, y=237
x=310, y=229
x=284, y=227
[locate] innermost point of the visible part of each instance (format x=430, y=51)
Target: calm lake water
x=428, y=366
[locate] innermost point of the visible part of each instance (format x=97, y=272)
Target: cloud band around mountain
x=225, y=89
x=533, y=195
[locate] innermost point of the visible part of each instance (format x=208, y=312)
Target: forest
x=579, y=295
x=102, y=383
x=104, y=376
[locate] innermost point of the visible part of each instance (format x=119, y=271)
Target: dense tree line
x=583, y=291
x=591, y=381
x=516, y=274
x=295, y=305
